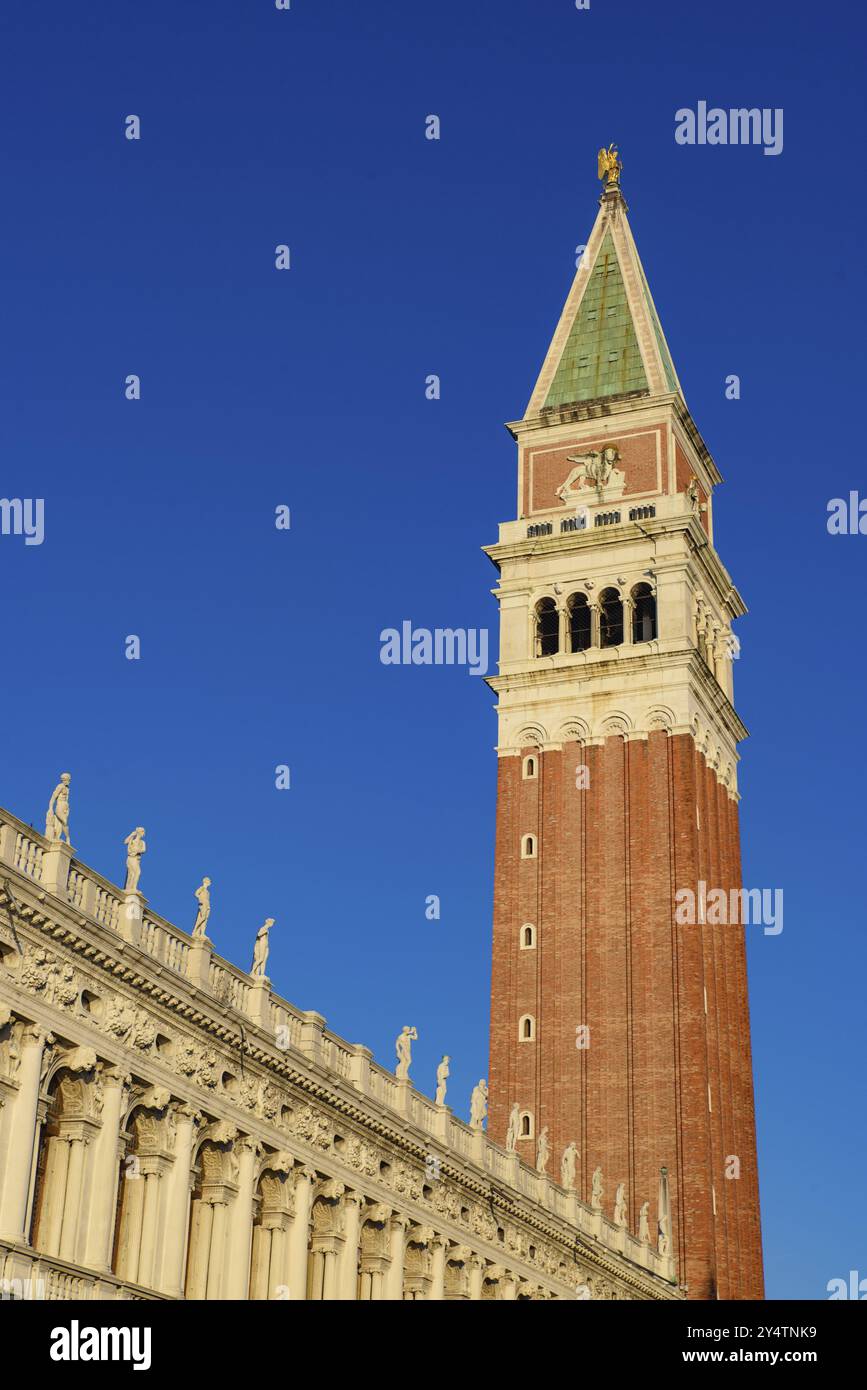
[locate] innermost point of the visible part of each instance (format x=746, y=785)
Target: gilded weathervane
x=609, y=165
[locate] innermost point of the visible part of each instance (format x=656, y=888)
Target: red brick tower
x=612, y=1024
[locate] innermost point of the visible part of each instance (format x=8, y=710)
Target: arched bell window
x=580, y=628
x=643, y=613
x=547, y=628
x=610, y=618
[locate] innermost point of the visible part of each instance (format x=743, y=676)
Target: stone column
x=216, y=1257
x=106, y=1171
x=155, y=1175
x=278, y=1263
x=330, y=1283
x=19, y=1116
x=563, y=631
x=196, y=1285
x=73, y=1122
x=131, y=1220
x=594, y=625
x=397, y=1250
x=299, y=1235
x=438, y=1267
x=237, y=1280
x=260, y=1261
x=374, y=1252
x=170, y=1278
x=348, y=1277
x=78, y=1145
x=53, y=1187
x=327, y=1239
x=628, y=612
x=476, y=1266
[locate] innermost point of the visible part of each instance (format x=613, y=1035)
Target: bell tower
x=613, y=1024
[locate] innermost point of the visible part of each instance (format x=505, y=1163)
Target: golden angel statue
x=609, y=165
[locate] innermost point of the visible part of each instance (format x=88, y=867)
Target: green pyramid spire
x=601, y=357
x=609, y=341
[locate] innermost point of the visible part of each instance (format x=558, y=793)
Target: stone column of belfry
x=639, y=1043
x=18, y=1132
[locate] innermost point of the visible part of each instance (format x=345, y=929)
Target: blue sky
x=306, y=388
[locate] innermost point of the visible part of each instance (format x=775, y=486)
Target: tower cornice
x=595, y=541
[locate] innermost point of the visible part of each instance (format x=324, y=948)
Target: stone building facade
x=172, y=1129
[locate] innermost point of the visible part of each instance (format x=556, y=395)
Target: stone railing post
x=131, y=916
x=8, y=836
x=258, y=1004
x=359, y=1068
x=310, y=1041
x=198, y=961
x=55, y=867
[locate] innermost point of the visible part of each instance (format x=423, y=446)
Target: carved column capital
x=330, y=1190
